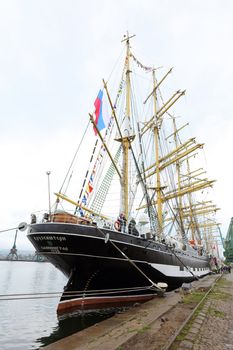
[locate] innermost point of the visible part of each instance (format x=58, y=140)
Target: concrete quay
x=212, y=326
x=154, y=325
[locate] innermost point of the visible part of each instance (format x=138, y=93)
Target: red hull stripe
x=97, y=302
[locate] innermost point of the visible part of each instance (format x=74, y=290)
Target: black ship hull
x=108, y=268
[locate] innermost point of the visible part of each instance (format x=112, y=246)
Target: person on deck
x=122, y=220
x=132, y=228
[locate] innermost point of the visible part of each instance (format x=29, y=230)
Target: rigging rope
x=85, y=179
x=175, y=216
x=101, y=194
x=151, y=211
x=74, y=158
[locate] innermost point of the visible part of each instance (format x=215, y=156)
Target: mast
x=180, y=199
x=193, y=222
x=158, y=181
x=126, y=137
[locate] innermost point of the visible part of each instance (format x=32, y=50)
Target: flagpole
x=113, y=110
x=48, y=173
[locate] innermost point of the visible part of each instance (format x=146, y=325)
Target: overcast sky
x=53, y=55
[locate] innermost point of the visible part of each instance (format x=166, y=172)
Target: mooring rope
x=22, y=226
x=9, y=229
x=132, y=263
x=77, y=294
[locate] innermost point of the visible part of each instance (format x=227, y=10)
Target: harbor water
x=33, y=323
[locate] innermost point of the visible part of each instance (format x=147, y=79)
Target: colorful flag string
x=89, y=182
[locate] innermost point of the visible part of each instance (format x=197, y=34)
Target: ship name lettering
x=56, y=248
x=50, y=238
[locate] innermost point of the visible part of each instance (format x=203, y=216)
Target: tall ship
x=141, y=222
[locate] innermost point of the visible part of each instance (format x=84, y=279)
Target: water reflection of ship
x=76, y=321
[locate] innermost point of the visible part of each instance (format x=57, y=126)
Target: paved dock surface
x=152, y=325
x=212, y=328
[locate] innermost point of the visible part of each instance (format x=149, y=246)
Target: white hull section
x=174, y=271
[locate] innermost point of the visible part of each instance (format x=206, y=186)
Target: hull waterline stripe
x=108, y=297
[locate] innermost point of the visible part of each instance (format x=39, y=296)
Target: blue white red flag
x=99, y=121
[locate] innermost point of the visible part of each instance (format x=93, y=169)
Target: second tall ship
x=141, y=222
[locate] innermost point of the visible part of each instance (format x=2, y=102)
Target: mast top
x=126, y=37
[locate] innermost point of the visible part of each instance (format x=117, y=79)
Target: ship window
x=181, y=268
